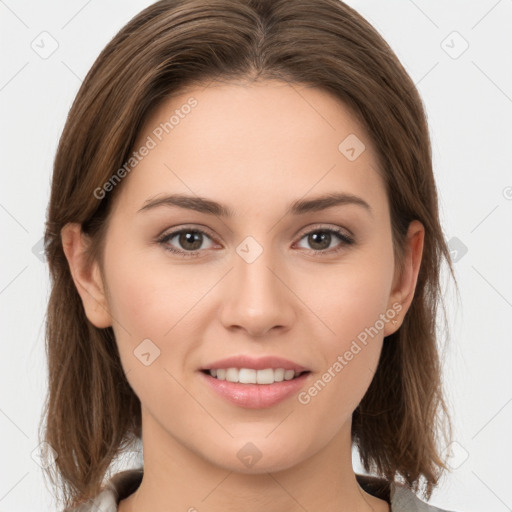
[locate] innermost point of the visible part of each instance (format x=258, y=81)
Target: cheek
x=354, y=307
x=145, y=297
x=350, y=356
x=352, y=296
x=156, y=301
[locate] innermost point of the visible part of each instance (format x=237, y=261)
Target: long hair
x=91, y=413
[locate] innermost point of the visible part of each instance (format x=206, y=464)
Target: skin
x=254, y=148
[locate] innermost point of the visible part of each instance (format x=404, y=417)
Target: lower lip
x=255, y=396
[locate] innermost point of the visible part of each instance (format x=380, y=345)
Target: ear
x=404, y=283
x=87, y=277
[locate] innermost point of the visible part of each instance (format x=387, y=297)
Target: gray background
x=468, y=97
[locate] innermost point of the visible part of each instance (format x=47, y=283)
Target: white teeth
x=265, y=376
x=279, y=375
x=232, y=375
x=289, y=374
x=250, y=376
x=245, y=376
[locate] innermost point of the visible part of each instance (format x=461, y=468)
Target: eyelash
x=344, y=239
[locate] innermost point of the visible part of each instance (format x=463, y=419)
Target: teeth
x=250, y=376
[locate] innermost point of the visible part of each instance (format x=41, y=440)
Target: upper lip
x=259, y=363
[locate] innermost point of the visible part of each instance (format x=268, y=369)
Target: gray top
x=122, y=484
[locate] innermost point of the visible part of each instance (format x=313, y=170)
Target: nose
x=257, y=298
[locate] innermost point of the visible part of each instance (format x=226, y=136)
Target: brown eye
x=186, y=242
x=319, y=240
x=322, y=240
x=190, y=240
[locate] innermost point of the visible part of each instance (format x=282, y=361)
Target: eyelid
x=325, y=227
x=184, y=227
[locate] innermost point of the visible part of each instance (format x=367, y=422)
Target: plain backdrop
x=458, y=54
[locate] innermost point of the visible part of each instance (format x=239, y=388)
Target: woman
x=245, y=250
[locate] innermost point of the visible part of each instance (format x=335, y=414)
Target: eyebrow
x=298, y=207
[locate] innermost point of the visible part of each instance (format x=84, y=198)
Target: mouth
x=253, y=388
x=255, y=382
x=254, y=376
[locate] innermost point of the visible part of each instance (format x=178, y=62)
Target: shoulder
x=403, y=499
x=400, y=497
x=120, y=486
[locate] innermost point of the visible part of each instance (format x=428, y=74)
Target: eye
x=321, y=239
x=188, y=242
x=189, y=239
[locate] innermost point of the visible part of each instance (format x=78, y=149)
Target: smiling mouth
x=251, y=376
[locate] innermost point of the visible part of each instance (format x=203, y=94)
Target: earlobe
x=405, y=283
x=86, y=276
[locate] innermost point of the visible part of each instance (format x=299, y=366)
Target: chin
x=258, y=455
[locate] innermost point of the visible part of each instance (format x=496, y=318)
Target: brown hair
x=91, y=412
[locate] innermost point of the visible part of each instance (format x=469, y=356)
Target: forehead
x=245, y=143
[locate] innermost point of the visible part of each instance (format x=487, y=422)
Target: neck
x=178, y=479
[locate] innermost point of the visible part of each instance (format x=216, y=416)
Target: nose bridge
x=258, y=300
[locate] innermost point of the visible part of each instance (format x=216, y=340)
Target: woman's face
x=251, y=265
